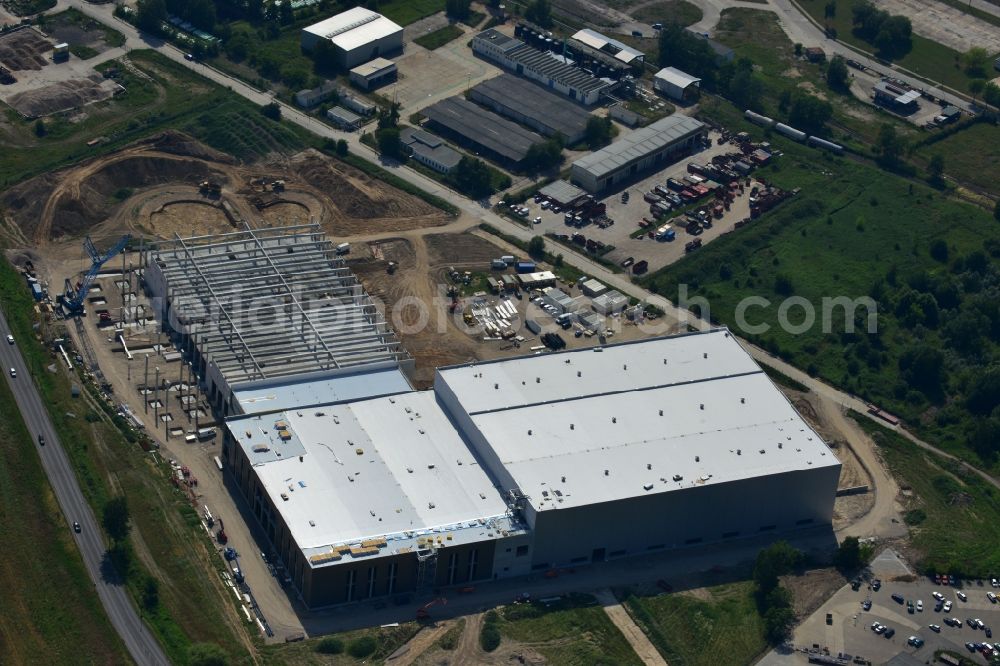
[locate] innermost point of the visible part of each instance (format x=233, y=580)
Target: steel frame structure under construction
x=261, y=304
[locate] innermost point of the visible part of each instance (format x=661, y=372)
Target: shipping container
x=206, y=433
x=525, y=267
x=343, y=248
x=508, y=259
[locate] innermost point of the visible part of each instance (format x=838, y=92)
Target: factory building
x=590, y=41
x=895, y=97
x=563, y=193
x=645, y=149
x=521, y=465
x=374, y=74
x=547, y=68
x=343, y=118
x=640, y=447
x=482, y=130
x=263, y=306
x=610, y=302
x=429, y=150
x=373, y=498
x=529, y=104
x=357, y=35
x=677, y=85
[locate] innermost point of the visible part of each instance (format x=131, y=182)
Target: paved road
x=140, y=642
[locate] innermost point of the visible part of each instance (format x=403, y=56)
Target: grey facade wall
x=674, y=519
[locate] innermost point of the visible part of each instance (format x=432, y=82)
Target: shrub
x=330, y=645
x=489, y=637
x=361, y=647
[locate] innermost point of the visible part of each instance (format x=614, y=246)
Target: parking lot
x=849, y=631
x=628, y=215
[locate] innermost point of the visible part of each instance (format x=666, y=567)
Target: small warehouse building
x=563, y=193
x=307, y=99
x=484, y=131
x=357, y=35
x=344, y=118
x=529, y=104
x=356, y=104
x=374, y=74
x=429, y=150
x=592, y=287
x=677, y=85
x=550, y=70
x=590, y=41
x=896, y=98
x=647, y=148
x=559, y=299
x=610, y=302
x=538, y=280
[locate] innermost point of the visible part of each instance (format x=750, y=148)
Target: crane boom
x=73, y=300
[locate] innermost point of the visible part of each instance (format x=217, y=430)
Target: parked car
x=915, y=641
x=937, y=595
x=961, y=595
x=41, y=441
x=897, y=597
x=889, y=633
x=920, y=605
x=76, y=527
x=13, y=372
x=10, y=339
x=992, y=597
x=877, y=628
x=947, y=606
x=867, y=604
x=935, y=628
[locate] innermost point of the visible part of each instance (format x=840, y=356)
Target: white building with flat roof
x=357, y=35
x=525, y=464
x=637, y=447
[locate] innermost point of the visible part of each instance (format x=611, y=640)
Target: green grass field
x=962, y=524
x=440, y=37
x=164, y=527
x=680, y=12
x=51, y=613
x=405, y=12
x=856, y=231
x=572, y=631
x=173, y=98
x=387, y=640
x=970, y=156
x=756, y=34
x=926, y=57
x=692, y=631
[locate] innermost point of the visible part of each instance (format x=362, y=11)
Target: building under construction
x=527, y=464
x=262, y=311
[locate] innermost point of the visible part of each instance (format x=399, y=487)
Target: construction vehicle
x=423, y=612
x=72, y=300
x=210, y=188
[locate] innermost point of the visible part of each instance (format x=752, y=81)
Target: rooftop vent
x=678, y=477
x=564, y=479
x=579, y=374
x=312, y=523
x=647, y=486
x=538, y=380
x=762, y=450
x=743, y=401
x=571, y=426
x=649, y=466
x=697, y=458
x=606, y=472
x=705, y=355
x=529, y=433
x=496, y=386
x=701, y=406
x=614, y=419
x=430, y=505
x=738, y=452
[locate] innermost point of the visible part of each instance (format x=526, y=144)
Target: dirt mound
x=24, y=49
x=79, y=198
x=62, y=96
x=356, y=194
x=178, y=143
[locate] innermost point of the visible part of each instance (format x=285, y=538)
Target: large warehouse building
x=358, y=35
x=530, y=463
x=486, y=132
x=546, y=67
x=529, y=104
x=265, y=308
x=646, y=148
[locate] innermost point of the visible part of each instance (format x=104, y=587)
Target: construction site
x=210, y=299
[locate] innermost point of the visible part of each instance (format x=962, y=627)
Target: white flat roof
x=639, y=144
x=353, y=28
x=596, y=40
x=392, y=467
x=373, y=67
x=589, y=411
x=262, y=397
x=676, y=77
x=630, y=366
